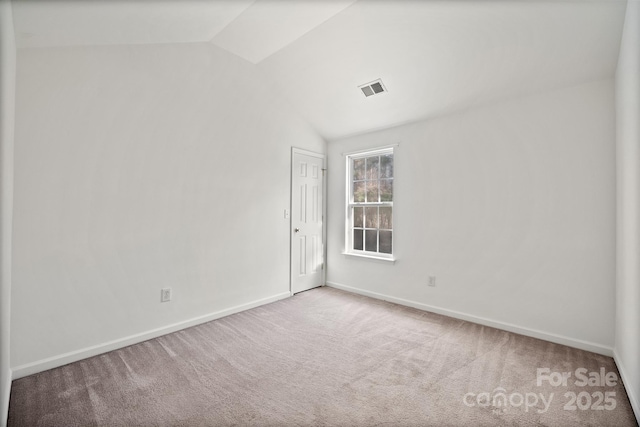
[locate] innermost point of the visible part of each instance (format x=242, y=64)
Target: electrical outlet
x=432, y=281
x=165, y=295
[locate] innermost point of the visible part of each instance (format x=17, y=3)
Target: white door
x=307, y=211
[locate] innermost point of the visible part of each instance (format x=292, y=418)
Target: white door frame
x=295, y=150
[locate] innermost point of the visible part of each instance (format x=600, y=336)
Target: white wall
x=7, y=110
x=138, y=168
x=627, y=345
x=512, y=208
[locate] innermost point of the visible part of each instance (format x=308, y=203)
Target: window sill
x=370, y=257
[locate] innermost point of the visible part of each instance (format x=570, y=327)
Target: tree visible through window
x=370, y=210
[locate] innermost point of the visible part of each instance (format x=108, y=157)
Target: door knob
x=296, y=230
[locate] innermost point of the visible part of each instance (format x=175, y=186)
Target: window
x=370, y=203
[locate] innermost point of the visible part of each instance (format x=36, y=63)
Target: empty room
x=319, y=213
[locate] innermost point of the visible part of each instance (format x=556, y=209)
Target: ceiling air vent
x=373, y=88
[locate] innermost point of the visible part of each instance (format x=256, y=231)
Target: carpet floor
x=330, y=358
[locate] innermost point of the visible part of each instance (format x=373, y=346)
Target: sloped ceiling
x=48, y=23
x=270, y=25
x=435, y=57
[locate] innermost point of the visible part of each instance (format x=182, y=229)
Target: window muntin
x=370, y=203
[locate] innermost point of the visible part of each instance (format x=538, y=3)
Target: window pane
x=371, y=217
x=358, y=169
x=372, y=167
x=386, y=190
x=372, y=191
x=371, y=240
x=386, y=166
x=357, y=217
x=385, y=242
x=386, y=218
x=357, y=240
x=358, y=191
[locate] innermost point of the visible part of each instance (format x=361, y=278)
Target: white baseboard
x=74, y=356
x=558, y=339
x=628, y=386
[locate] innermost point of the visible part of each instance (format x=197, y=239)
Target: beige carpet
x=326, y=357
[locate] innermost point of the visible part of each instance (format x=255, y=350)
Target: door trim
x=295, y=150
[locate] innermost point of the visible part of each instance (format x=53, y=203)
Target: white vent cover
x=373, y=88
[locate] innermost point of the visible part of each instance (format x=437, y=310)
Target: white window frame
x=349, y=157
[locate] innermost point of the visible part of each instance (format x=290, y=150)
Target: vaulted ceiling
x=434, y=56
